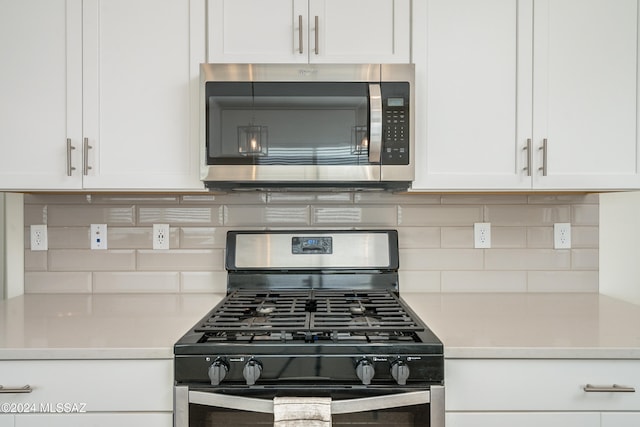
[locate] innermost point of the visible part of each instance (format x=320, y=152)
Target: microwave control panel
x=395, y=123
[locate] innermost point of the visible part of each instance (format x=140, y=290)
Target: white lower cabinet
x=542, y=392
x=95, y=420
x=523, y=419
x=92, y=393
x=6, y=420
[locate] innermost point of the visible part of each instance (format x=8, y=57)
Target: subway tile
x=586, y=215
x=367, y=215
x=562, y=281
x=57, y=282
x=527, y=259
x=527, y=215
x=585, y=237
x=137, y=282
x=74, y=215
x=181, y=260
x=367, y=197
x=419, y=237
x=439, y=215
x=134, y=199
x=484, y=199
x=540, y=237
x=441, y=259
x=35, y=214
x=274, y=215
x=309, y=198
x=225, y=199
x=203, y=281
x=563, y=199
x=584, y=259
x=181, y=215
x=508, y=237
x=35, y=260
x=69, y=237
x=88, y=260
x=419, y=281
x=58, y=199
x=203, y=237
x=484, y=281
x=457, y=237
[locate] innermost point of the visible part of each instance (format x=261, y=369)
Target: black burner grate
x=310, y=315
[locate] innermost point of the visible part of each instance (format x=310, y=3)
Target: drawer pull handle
x=615, y=388
x=25, y=389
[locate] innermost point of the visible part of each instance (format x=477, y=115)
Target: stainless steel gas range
x=310, y=314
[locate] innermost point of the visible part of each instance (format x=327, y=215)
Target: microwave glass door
x=287, y=123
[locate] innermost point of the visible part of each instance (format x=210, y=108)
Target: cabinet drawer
x=102, y=385
x=523, y=419
x=540, y=385
x=95, y=420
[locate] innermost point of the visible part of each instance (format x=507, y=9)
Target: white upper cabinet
x=309, y=31
x=526, y=94
x=100, y=94
x=585, y=93
x=468, y=94
x=140, y=85
x=41, y=94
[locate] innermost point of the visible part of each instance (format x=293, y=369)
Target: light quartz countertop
x=494, y=325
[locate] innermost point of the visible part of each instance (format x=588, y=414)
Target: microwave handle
x=375, y=125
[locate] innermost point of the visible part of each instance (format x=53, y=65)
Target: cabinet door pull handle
x=527, y=148
x=70, y=167
x=25, y=389
x=300, y=34
x=317, y=49
x=85, y=166
x=544, y=157
x=615, y=388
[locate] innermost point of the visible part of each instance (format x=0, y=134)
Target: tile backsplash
x=435, y=238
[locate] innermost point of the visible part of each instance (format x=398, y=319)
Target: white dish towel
x=301, y=412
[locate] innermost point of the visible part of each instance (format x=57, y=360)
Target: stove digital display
x=312, y=245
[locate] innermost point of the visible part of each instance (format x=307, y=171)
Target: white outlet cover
x=39, y=239
x=562, y=235
x=482, y=235
x=98, y=236
x=161, y=236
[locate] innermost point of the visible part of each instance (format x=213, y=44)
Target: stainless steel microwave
x=322, y=126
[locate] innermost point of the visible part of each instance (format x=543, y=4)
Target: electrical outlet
x=482, y=235
x=39, y=240
x=562, y=235
x=98, y=236
x=160, y=236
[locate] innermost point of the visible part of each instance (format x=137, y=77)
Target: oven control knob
x=400, y=372
x=252, y=371
x=365, y=371
x=217, y=371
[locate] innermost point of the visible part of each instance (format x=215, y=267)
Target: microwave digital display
x=395, y=102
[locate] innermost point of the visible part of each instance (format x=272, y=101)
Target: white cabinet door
x=585, y=93
x=291, y=31
x=141, y=66
x=6, y=420
x=468, y=54
x=359, y=31
x=621, y=419
x=41, y=93
x=523, y=419
x=265, y=31
x=95, y=420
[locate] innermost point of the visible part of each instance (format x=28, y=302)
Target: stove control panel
x=368, y=370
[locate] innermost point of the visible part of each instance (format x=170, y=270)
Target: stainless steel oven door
x=201, y=408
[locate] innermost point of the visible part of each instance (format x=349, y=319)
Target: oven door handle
x=347, y=406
